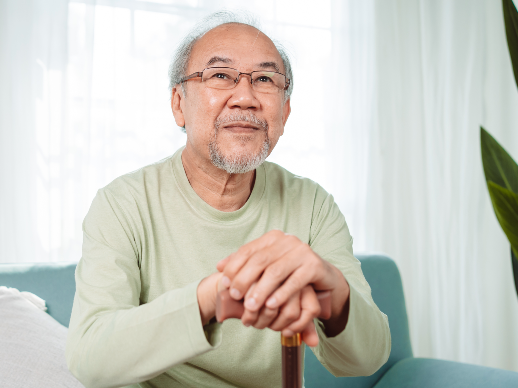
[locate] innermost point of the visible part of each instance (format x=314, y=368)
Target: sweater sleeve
x=364, y=345
x=113, y=339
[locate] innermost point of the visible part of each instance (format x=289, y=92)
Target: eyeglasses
x=263, y=81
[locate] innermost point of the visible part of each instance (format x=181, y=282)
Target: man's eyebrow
x=262, y=65
x=266, y=65
x=218, y=59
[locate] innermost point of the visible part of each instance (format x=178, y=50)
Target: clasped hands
x=277, y=275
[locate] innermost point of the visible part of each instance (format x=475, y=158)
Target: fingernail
x=225, y=281
x=235, y=294
x=251, y=303
x=288, y=333
x=271, y=303
x=246, y=324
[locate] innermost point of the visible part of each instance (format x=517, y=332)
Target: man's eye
x=264, y=78
x=221, y=76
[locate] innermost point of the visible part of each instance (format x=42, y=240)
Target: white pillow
x=32, y=344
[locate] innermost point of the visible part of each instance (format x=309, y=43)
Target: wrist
x=206, y=293
x=340, y=303
x=339, y=296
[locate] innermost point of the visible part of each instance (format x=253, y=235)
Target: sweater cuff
x=364, y=344
x=341, y=337
x=203, y=338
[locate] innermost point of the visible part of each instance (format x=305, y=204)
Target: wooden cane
x=292, y=370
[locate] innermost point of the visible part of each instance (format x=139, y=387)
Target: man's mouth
x=240, y=123
x=240, y=126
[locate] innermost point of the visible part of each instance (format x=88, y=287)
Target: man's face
x=238, y=124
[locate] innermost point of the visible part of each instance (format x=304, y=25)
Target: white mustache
x=249, y=118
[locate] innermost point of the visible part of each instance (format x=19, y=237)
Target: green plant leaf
x=505, y=204
x=514, y=261
x=499, y=167
x=511, y=30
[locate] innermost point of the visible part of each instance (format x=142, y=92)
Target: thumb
x=220, y=286
x=309, y=335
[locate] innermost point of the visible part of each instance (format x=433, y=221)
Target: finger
x=310, y=309
x=239, y=258
x=250, y=290
x=269, y=261
x=274, y=275
x=266, y=317
x=301, y=277
x=222, y=263
x=288, y=313
x=220, y=285
x=297, y=269
x=249, y=317
x=309, y=335
x=261, y=318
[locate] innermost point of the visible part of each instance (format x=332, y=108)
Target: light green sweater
x=149, y=240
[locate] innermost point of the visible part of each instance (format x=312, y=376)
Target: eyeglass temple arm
x=193, y=75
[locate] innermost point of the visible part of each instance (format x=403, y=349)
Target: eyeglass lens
x=262, y=81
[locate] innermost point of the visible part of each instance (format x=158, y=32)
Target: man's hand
x=295, y=316
x=206, y=292
x=287, y=317
x=272, y=272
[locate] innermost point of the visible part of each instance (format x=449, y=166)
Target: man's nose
x=243, y=95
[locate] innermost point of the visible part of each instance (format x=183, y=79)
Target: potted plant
x=500, y=170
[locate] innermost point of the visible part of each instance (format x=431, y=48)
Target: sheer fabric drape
x=387, y=101
x=442, y=69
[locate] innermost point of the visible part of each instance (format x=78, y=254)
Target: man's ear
x=176, y=105
x=286, y=110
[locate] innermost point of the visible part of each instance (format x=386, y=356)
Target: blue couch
x=54, y=282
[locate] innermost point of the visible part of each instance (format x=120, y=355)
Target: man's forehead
x=232, y=44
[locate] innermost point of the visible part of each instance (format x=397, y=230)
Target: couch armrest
x=432, y=373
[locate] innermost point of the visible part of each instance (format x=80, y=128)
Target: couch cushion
x=53, y=282
x=431, y=373
x=383, y=277
x=32, y=346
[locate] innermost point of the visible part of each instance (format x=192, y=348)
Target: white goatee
x=238, y=164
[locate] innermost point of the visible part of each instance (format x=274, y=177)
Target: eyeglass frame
x=236, y=81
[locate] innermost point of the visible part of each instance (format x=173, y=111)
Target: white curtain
x=442, y=70
x=388, y=98
x=33, y=181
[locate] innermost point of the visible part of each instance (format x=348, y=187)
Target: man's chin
x=240, y=141
x=239, y=152
x=238, y=161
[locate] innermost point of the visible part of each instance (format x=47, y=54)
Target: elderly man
x=161, y=241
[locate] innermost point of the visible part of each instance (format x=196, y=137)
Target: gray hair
x=178, y=66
